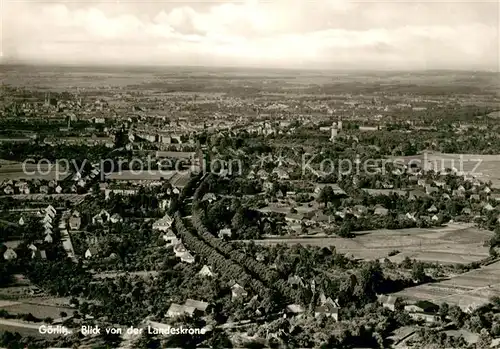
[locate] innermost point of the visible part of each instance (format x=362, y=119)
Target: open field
x=24, y=328
x=38, y=310
x=18, y=171
x=484, y=167
x=466, y=290
x=455, y=243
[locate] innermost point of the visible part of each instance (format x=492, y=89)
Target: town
x=254, y=209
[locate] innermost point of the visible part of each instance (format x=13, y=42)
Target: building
x=9, y=254
x=170, y=238
x=206, y=271
x=237, y=292
x=75, y=223
x=91, y=252
x=164, y=223
x=389, y=302
x=226, y=232
x=187, y=257
x=328, y=310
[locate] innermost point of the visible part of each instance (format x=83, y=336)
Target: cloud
x=276, y=33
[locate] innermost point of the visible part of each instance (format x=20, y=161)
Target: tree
x=418, y=272
x=456, y=315
x=326, y=195
x=444, y=310
x=484, y=341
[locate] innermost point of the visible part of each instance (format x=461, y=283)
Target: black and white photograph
x=283, y=174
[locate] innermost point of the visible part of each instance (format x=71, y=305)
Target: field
x=17, y=171
x=466, y=290
x=484, y=167
x=40, y=311
x=452, y=244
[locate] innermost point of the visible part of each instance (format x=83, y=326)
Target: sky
x=318, y=34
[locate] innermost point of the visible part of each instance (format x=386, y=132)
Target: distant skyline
x=321, y=34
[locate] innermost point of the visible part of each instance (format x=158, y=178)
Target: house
x=430, y=190
x=495, y=196
x=200, y=306
x=421, y=182
x=39, y=254
x=8, y=190
x=101, y=217
x=75, y=223
x=44, y=189
x=237, y=291
x=359, y=210
x=411, y=216
x=21, y=221
x=262, y=174
x=259, y=257
x=170, y=238
x=91, y=252
x=435, y=218
x=423, y=310
x=164, y=223
x=47, y=225
x=50, y=210
x=295, y=281
x=389, y=302
x=467, y=211
x=187, y=257
x=328, y=310
x=416, y=194
x=475, y=197
x=210, y=197
x=180, y=249
x=58, y=189
x=487, y=190
x=226, y=232
x=9, y=254
x=381, y=211
x=115, y=218
x=176, y=310
x=293, y=310
x=488, y=207
x=281, y=173
x=432, y=209
x=48, y=239
x=206, y=271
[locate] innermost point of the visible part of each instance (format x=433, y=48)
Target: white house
x=9, y=254
x=237, y=291
x=91, y=252
x=115, y=218
x=164, y=223
x=206, y=271
x=75, y=223
x=225, y=232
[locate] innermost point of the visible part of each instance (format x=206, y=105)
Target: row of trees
x=225, y=267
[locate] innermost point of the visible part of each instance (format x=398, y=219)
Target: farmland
x=473, y=288
x=455, y=243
